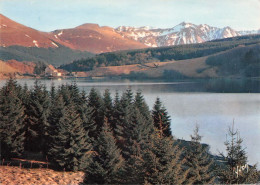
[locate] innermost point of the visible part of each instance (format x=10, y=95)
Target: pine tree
x=122, y=109
x=116, y=113
x=70, y=147
x=66, y=94
x=25, y=95
x=107, y=165
x=118, y=122
x=142, y=106
x=161, y=118
x=71, y=95
x=85, y=113
x=133, y=128
x=128, y=98
x=95, y=102
x=107, y=106
x=11, y=121
x=53, y=92
x=74, y=93
x=198, y=161
x=136, y=139
x=37, y=112
x=235, y=161
x=164, y=162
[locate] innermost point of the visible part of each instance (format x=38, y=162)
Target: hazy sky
x=48, y=15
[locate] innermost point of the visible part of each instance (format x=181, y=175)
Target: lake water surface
x=191, y=102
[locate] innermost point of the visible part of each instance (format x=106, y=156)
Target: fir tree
x=128, y=98
x=70, y=147
x=107, y=165
x=53, y=92
x=107, y=106
x=25, y=95
x=118, y=121
x=133, y=128
x=164, y=162
x=11, y=121
x=201, y=169
x=142, y=106
x=37, y=112
x=116, y=113
x=237, y=171
x=136, y=139
x=95, y=102
x=121, y=111
x=74, y=93
x=66, y=94
x=85, y=113
x=161, y=118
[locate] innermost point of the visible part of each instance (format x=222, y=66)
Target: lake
x=212, y=104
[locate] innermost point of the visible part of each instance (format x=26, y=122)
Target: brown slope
x=96, y=39
x=5, y=68
x=13, y=33
x=88, y=37
x=13, y=67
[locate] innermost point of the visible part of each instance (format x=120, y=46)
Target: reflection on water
x=211, y=85
x=213, y=104
x=233, y=85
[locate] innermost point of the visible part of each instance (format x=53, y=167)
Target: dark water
x=212, y=104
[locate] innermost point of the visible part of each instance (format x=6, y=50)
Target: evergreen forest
x=114, y=140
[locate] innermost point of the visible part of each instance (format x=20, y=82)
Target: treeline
x=161, y=54
x=242, y=60
x=113, y=140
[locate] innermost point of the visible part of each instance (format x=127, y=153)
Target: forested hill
x=243, y=61
x=161, y=54
x=54, y=56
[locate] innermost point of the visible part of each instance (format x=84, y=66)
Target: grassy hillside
x=190, y=68
x=161, y=54
x=54, y=56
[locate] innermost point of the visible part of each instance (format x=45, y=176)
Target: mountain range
x=100, y=39
x=183, y=33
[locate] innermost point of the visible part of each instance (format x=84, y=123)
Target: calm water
x=192, y=102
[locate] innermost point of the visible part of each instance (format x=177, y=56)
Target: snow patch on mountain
x=59, y=34
x=54, y=44
x=36, y=43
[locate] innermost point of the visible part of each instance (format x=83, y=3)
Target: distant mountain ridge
x=96, y=39
x=87, y=37
x=102, y=39
x=183, y=33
